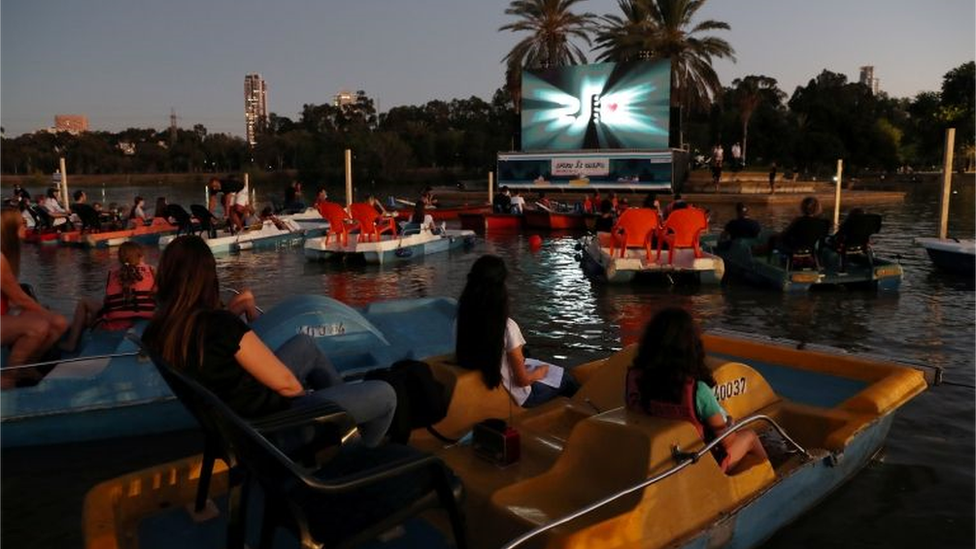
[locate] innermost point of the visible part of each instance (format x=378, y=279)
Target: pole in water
x=840, y=177
x=348, y=177
x=950, y=141
x=491, y=190
x=64, y=185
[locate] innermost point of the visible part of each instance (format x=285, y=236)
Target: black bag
x=421, y=400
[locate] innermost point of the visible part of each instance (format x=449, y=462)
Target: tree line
x=443, y=141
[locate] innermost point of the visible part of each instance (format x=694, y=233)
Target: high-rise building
x=344, y=97
x=868, y=79
x=255, y=107
x=71, y=123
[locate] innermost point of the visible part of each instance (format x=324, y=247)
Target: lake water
x=921, y=492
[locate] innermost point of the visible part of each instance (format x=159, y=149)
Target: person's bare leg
x=26, y=334
x=84, y=316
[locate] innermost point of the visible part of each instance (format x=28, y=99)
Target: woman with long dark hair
x=669, y=378
x=195, y=334
x=27, y=326
x=490, y=341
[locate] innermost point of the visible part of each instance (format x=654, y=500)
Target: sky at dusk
x=128, y=63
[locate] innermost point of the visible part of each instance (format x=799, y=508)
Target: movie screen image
x=598, y=106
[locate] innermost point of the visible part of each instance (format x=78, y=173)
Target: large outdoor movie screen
x=599, y=106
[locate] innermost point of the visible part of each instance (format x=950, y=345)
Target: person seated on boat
x=26, y=211
x=490, y=341
x=503, y=201
x=742, y=226
x=852, y=224
x=677, y=203
x=543, y=202
x=321, y=197
x=52, y=205
x=130, y=295
x=429, y=199
x=591, y=204
x=420, y=220
x=804, y=231
x=137, y=214
x=193, y=333
x=267, y=214
x=608, y=217
x=518, y=203
x=669, y=379
x=377, y=205
x=79, y=197
x=29, y=329
x=294, y=201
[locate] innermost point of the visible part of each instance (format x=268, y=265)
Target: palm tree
x=663, y=29
x=552, y=25
x=750, y=93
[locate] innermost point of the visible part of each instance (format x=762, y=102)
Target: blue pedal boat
x=109, y=391
x=593, y=473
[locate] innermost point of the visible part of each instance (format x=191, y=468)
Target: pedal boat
x=824, y=269
x=108, y=391
x=594, y=474
x=258, y=237
x=145, y=234
x=622, y=265
x=410, y=244
x=953, y=255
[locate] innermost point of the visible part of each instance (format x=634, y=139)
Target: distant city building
x=344, y=97
x=255, y=107
x=868, y=79
x=71, y=123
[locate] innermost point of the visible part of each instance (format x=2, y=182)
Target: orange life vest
x=121, y=309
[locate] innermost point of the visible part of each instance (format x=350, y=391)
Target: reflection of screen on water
x=599, y=106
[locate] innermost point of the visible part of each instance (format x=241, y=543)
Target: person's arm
x=255, y=357
x=13, y=291
x=521, y=377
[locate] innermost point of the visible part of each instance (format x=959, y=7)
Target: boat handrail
x=684, y=459
x=72, y=359
x=932, y=374
x=236, y=292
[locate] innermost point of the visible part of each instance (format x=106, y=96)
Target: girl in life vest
x=669, y=379
x=130, y=295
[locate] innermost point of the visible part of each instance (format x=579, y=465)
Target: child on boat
x=669, y=379
x=129, y=296
x=490, y=341
x=193, y=333
x=27, y=327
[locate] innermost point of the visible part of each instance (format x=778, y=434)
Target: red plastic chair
x=339, y=222
x=371, y=223
x=634, y=228
x=682, y=229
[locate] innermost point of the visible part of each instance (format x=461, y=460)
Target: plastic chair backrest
x=636, y=225
x=805, y=232
x=335, y=215
x=686, y=225
x=203, y=215
x=363, y=213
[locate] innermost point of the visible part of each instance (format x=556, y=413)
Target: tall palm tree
x=750, y=93
x=551, y=25
x=663, y=29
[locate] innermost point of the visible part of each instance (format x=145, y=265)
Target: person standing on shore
x=772, y=178
x=717, y=156
x=736, y=157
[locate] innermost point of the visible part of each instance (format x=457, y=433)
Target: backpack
x=421, y=400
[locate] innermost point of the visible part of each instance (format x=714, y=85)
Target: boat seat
x=682, y=229
x=471, y=400
x=207, y=220
x=616, y=450
x=741, y=390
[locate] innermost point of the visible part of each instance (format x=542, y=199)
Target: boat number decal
x=324, y=330
x=730, y=389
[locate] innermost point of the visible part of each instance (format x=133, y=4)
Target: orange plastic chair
x=634, y=228
x=371, y=223
x=339, y=222
x=682, y=229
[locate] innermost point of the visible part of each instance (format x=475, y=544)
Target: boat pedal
x=208, y=512
x=394, y=533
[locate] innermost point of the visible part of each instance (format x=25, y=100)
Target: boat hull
x=447, y=213
x=389, y=249
x=541, y=219
x=951, y=255
x=482, y=222
x=267, y=237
